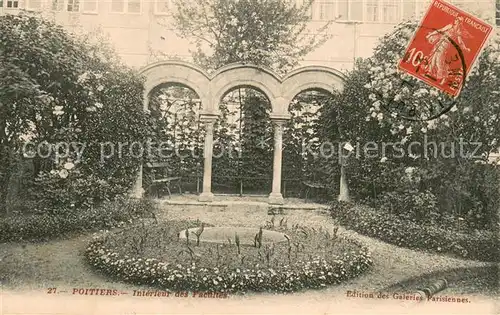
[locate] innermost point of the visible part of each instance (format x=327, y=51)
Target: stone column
x=137, y=190
x=276, y=197
x=208, y=120
x=344, y=187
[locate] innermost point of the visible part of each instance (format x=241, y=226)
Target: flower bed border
x=43, y=227
x=394, y=230
x=314, y=274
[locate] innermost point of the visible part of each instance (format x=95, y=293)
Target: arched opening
x=178, y=157
x=243, y=145
x=308, y=162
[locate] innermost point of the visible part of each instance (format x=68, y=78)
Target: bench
x=311, y=186
x=160, y=178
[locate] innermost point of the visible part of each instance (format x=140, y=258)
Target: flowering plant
x=314, y=270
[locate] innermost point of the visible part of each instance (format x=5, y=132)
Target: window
x=134, y=6
x=497, y=13
x=372, y=10
x=162, y=6
x=390, y=10
x=350, y=10
x=126, y=6
x=57, y=5
x=73, y=5
x=12, y=4
x=325, y=10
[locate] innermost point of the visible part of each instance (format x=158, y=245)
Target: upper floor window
x=384, y=10
x=350, y=10
x=10, y=4
x=497, y=13
x=324, y=10
x=73, y=5
x=379, y=11
x=391, y=10
x=126, y=6
x=372, y=10
x=57, y=5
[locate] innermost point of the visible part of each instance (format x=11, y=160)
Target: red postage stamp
x=445, y=47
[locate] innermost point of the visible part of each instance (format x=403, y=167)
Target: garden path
x=59, y=263
x=392, y=264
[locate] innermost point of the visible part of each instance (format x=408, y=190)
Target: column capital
x=208, y=117
x=280, y=117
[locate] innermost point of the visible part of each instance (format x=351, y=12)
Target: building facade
x=140, y=30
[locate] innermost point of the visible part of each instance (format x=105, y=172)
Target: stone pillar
x=138, y=190
x=344, y=187
x=276, y=197
x=209, y=120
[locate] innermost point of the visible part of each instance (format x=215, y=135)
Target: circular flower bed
x=156, y=255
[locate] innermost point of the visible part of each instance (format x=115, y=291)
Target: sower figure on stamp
x=438, y=66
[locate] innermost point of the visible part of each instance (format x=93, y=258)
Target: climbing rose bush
x=394, y=93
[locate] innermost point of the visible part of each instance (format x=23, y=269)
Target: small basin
x=222, y=234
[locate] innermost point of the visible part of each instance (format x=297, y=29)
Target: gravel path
x=392, y=264
x=59, y=263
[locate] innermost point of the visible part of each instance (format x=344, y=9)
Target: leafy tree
x=444, y=179
x=270, y=33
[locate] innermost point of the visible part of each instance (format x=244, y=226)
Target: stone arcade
x=211, y=88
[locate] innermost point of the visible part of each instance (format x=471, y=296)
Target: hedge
x=483, y=245
x=38, y=227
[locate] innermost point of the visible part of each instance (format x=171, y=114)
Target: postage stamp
x=445, y=47
x=235, y=157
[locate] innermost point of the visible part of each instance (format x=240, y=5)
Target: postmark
x=441, y=53
x=445, y=47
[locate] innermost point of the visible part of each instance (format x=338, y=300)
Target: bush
x=116, y=256
x=481, y=245
x=45, y=226
x=67, y=91
x=409, y=204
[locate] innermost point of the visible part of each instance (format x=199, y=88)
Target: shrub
x=409, y=204
x=481, y=245
x=229, y=274
x=65, y=90
x=44, y=226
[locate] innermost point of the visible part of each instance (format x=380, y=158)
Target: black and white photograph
x=249, y=157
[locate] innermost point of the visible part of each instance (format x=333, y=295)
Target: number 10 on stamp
x=445, y=47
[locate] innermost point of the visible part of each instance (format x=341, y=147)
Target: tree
x=269, y=33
